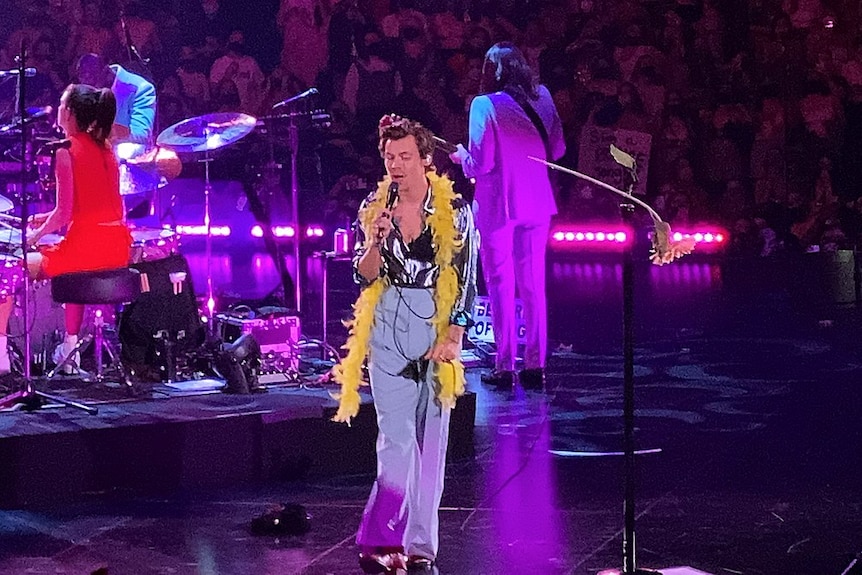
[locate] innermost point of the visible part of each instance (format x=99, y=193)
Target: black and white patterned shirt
x=412, y=264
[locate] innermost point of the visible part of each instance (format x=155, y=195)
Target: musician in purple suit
x=512, y=119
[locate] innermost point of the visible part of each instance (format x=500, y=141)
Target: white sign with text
x=483, y=329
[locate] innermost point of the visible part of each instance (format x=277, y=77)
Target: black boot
x=500, y=379
x=532, y=378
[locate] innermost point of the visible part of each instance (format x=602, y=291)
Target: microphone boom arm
x=653, y=214
x=665, y=249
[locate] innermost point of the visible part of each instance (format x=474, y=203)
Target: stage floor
x=752, y=398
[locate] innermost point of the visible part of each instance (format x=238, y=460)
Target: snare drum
x=49, y=241
x=151, y=244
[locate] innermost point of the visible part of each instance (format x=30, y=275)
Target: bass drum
x=47, y=323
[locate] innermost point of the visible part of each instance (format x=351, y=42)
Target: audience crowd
x=752, y=109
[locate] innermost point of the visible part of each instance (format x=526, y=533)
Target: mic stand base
x=27, y=396
x=635, y=572
x=32, y=400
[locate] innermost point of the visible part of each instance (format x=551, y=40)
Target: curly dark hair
x=394, y=128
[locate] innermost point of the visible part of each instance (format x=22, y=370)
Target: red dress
x=97, y=238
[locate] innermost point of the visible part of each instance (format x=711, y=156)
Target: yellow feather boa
x=450, y=376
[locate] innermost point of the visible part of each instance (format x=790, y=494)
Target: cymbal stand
x=293, y=144
x=28, y=396
x=168, y=214
x=209, y=239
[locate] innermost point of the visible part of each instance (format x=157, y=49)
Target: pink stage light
x=314, y=232
x=586, y=238
x=201, y=230
x=707, y=239
x=277, y=231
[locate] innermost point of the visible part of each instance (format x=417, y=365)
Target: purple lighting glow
x=313, y=231
x=588, y=238
x=707, y=240
x=701, y=237
x=201, y=230
x=277, y=231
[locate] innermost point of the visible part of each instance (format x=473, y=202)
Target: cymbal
x=135, y=180
x=5, y=204
x=206, y=133
x=160, y=161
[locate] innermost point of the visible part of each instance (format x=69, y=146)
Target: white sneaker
x=5, y=365
x=62, y=351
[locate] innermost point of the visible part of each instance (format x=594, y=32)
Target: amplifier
x=276, y=335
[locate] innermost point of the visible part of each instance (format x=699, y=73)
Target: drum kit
x=143, y=172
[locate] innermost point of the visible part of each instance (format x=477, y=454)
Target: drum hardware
x=293, y=121
x=30, y=116
x=27, y=395
x=259, y=193
x=206, y=134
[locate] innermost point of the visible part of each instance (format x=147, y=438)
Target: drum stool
x=104, y=287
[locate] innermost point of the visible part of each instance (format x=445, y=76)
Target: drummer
x=136, y=98
x=133, y=134
x=88, y=202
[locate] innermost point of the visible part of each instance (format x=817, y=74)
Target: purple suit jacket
x=509, y=186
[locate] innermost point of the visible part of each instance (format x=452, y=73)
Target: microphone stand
x=293, y=146
x=28, y=396
x=664, y=251
x=132, y=53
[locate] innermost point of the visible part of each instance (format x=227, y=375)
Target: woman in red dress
x=88, y=204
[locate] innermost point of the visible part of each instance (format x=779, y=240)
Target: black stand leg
x=629, y=562
x=31, y=399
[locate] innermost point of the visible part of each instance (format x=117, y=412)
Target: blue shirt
x=136, y=105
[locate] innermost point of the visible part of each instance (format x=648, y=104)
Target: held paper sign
x=594, y=158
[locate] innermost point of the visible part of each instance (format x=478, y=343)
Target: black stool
x=104, y=287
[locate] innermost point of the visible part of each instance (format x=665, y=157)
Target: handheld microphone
x=28, y=72
x=392, y=197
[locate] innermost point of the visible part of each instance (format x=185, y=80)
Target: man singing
x=513, y=119
x=416, y=258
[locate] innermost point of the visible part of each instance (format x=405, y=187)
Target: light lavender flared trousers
x=413, y=429
x=514, y=256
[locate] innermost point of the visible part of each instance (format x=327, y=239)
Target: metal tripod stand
x=28, y=396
